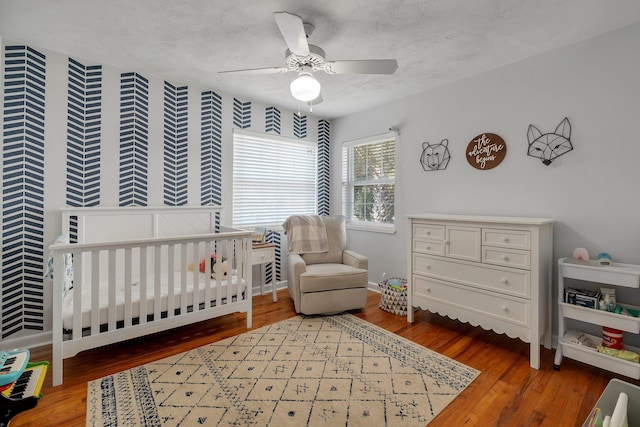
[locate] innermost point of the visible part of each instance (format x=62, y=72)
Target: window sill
x=374, y=228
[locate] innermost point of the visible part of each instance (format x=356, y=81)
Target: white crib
x=137, y=272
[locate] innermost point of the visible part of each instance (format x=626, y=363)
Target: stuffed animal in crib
x=217, y=268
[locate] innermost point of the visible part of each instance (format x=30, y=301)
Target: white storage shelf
x=626, y=275
x=593, y=357
x=604, y=318
x=622, y=275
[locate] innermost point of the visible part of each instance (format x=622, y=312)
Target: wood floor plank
x=507, y=392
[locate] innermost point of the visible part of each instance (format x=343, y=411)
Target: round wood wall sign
x=486, y=151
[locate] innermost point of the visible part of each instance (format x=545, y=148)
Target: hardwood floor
x=507, y=393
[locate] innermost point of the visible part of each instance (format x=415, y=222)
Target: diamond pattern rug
x=306, y=371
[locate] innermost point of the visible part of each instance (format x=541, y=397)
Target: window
x=273, y=177
x=368, y=181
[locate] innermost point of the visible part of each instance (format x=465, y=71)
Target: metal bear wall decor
x=435, y=156
x=549, y=146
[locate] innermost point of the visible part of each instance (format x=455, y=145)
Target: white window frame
x=348, y=183
x=272, y=177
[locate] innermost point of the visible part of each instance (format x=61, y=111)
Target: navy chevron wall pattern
x=175, y=145
x=210, y=148
x=84, y=115
x=272, y=120
x=299, y=126
x=324, y=145
x=134, y=139
x=275, y=238
x=241, y=114
x=22, y=190
x=97, y=116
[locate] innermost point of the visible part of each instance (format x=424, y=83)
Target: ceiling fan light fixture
x=305, y=88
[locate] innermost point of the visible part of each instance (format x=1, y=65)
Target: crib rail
x=151, y=285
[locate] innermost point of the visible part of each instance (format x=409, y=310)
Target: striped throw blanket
x=306, y=234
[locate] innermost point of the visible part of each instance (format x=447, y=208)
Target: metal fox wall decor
x=549, y=146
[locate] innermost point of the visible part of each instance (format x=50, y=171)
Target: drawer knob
x=505, y=308
x=505, y=239
x=505, y=282
x=428, y=247
x=428, y=290
x=505, y=258
x=427, y=266
x=428, y=233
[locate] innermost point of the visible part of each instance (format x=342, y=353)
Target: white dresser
x=489, y=271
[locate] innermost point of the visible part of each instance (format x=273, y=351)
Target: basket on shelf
x=393, y=296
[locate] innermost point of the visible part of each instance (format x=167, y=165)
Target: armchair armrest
x=354, y=259
x=295, y=267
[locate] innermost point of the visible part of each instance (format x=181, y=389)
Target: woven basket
x=392, y=299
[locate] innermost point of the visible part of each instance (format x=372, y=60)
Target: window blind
x=273, y=177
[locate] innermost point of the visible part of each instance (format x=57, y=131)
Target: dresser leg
x=534, y=354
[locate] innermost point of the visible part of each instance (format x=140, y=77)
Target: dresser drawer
x=429, y=231
x=505, y=308
x=493, y=278
x=428, y=247
x=506, y=257
x=263, y=255
x=515, y=239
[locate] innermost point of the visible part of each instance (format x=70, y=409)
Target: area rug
x=306, y=371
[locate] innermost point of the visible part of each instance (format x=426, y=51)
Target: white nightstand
x=262, y=254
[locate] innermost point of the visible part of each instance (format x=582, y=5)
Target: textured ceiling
x=190, y=41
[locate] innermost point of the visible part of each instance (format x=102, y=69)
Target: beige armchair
x=331, y=281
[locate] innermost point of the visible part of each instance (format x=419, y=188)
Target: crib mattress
x=67, y=305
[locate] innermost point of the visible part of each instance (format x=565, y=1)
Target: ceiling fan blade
x=256, y=71
x=366, y=66
x=292, y=29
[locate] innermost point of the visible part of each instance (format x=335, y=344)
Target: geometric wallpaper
x=22, y=295
x=134, y=139
x=86, y=152
x=241, y=114
x=324, y=143
x=175, y=145
x=84, y=113
x=272, y=120
x=210, y=149
x=299, y=125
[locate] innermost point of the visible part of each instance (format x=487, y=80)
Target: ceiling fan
x=305, y=59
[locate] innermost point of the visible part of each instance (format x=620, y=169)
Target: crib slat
x=143, y=284
x=171, y=268
x=95, y=292
x=241, y=256
x=229, y=249
x=210, y=249
x=112, y=290
x=78, y=283
x=157, y=290
x=183, y=277
x=128, y=279
x=199, y=253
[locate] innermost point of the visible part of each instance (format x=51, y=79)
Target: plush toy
x=220, y=268
x=216, y=267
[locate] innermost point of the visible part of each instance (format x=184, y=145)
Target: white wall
x=591, y=191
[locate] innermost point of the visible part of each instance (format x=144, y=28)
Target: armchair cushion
x=328, y=277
